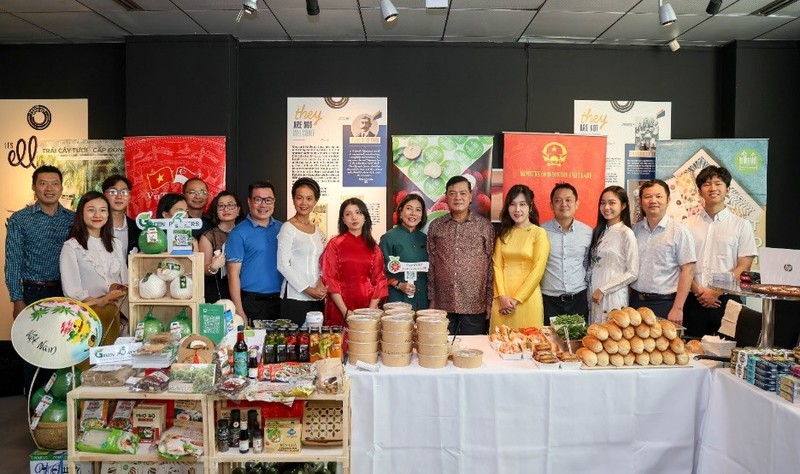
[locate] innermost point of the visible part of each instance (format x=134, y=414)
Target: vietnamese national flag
x=160, y=177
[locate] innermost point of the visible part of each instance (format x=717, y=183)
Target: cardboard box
x=189, y=413
x=149, y=421
x=282, y=435
x=55, y=462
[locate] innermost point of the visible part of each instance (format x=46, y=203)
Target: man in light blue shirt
x=564, y=282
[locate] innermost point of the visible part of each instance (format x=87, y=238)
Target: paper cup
x=430, y=324
x=368, y=358
x=362, y=347
x=362, y=323
x=433, y=349
x=468, y=358
x=433, y=338
x=397, y=323
x=395, y=348
x=396, y=337
x=362, y=336
x=432, y=362
x=396, y=360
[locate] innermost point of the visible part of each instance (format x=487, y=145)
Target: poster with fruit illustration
x=422, y=164
x=540, y=160
x=160, y=165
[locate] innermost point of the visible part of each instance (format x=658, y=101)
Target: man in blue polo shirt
x=33, y=246
x=252, y=258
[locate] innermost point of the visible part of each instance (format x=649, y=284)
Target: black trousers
x=700, y=321
x=296, y=310
x=467, y=324
x=261, y=306
x=566, y=304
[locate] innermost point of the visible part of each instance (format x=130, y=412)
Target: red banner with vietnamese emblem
x=540, y=160
x=160, y=165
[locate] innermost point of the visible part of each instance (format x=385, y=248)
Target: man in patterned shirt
x=666, y=256
x=34, y=239
x=460, y=247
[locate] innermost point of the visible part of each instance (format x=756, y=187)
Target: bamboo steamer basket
x=432, y=362
x=395, y=348
x=433, y=349
x=434, y=313
x=360, y=322
x=362, y=336
x=51, y=435
x=400, y=323
x=362, y=347
x=432, y=325
x=468, y=358
x=396, y=360
x=368, y=358
x=396, y=337
x=432, y=337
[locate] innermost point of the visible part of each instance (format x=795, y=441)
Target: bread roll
x=656, y=358
x=637, y=345
x=682, y=359
x=677, y=346
x=588, y=357
x=602, y=359
x=655, y=331
x=649, y=344
x=623, y=346
x=643, y=359
x=629, y=358
x=662, y=343
x=695, y=346
x=616, y=360
x=620, y=317
x=643, y=331
x=669, y=357
x=628, y=332
x=610, y=346
x=614, y=332
x=598, y=331
x=668, y=329
x=648, y=316
x=636, y=318
x=591, y=343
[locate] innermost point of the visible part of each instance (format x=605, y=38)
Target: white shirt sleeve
x=293, y=275
x=71, y=282
x=631, y=253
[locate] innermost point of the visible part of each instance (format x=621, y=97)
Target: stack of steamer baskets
x=397, y=326
x=363, y=329
x=433, y=347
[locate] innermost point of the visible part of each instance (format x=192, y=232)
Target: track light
x=674, y=45
x=713, y=7
x=312, y=7
x=388, y=11
x=249, y=7
x=666, y=15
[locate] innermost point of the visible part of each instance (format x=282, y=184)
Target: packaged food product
x=180, y=441
x=93, y=414
x=108, y=441
x=107, y=375
x=157, y=381
x=122, y=416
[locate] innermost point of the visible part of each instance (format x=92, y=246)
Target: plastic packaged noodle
x=108, y=441
x=180, y=441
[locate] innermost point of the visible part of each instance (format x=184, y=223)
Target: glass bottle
x=223, y=435
x=303, y=341
x=280, y=347
x=240, y=354
x=234, y=429
x=291, y=343
x=325, y=342
x=244, y=438
x=252, y=364
x=313, y=345
x=336, y=342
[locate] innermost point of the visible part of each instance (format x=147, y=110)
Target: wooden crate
x=165, y=312
x=141, y=264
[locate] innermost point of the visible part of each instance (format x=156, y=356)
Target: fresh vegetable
x=63, y=383
x=152, y=325
x=152, y=240
x=568, y=319
x=37, y=397
x=55, y=413
x=575, y=332
x=572, y=323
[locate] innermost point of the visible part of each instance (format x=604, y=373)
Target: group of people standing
x=526, y=273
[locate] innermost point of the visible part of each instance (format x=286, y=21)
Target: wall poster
x=342, y=143
x=24, y=125
x=540, y=160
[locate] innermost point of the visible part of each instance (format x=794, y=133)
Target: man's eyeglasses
x=227, y=207
x=260, y=200
x=196, y=192
x=115, y=192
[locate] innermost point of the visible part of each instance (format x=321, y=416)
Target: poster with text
x=632, y=128
x=679, y=161
x=84, y=164
x=541, y=160
x=160, y=165
x=24, y=125
x=423, y=164
x=341, y=142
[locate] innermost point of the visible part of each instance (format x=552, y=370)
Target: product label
x=240, y=363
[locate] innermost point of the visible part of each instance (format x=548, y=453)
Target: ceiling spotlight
x=388, y=11
x=249, y=8
x=312, y=7
x=674, y=45
x=713, y=7
x=666, y=15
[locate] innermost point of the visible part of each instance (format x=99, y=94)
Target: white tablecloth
x=508, y=416
x=748, y=430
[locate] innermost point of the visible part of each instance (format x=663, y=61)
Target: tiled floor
x=16, y=444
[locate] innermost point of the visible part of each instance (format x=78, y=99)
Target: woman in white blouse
x=93, y=266
x=613, y=253
x=300, y=245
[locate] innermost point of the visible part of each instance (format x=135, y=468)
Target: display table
x=748, y=430
x=508, y=416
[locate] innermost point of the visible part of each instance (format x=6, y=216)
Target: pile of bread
x=632, y=337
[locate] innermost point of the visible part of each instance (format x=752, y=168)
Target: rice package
x=93, y=414
x=108, y=441
x=180, y=441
